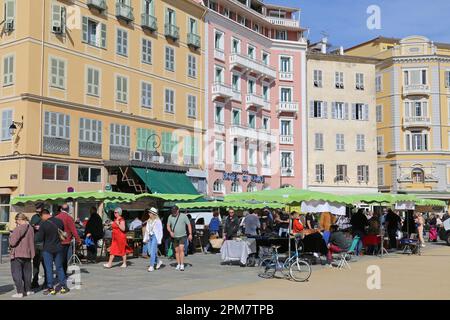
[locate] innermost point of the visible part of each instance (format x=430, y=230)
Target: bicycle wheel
x=267, y=269
x=300, y=270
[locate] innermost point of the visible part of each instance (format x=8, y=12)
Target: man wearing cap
x=176, y=225
x=153, y=237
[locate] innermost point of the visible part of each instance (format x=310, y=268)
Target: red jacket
x=69, y=227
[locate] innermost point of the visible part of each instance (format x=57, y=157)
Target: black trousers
x=65, y=256
x=21, y=274
x=37, y=261
x=392, y=234
x=92, y=252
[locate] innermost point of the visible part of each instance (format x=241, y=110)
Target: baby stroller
x=411, y=245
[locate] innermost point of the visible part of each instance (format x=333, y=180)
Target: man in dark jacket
x=392, y=225
x=69, y=227
x=52, y=252
x=231, y=225
x=37, y=260
x=94, y=230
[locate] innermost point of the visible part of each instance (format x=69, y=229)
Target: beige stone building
x=341, y=124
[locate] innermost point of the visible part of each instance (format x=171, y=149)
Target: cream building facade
x=87, y=84
x=341, y=125
x=413, y=114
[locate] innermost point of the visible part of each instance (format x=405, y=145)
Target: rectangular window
x=94, y=32
x=119, y=135
x=251, y=52
x=10, y=13
x=190, y=150
x=320, y=173
x=252, y=155
x=380, y=145
x=318, y=141
x=416, y=141
x=169, y=101
x=89, y=174
x=142, y=136
x=56, y=125
x=265, y=58
x=55, y=172
x=146, y=51
x=192, y=106
x=121, y=89
x=251, y=86
x=192, y=66
x=266, y=156
x=220, y=151
x=378, y=83
x=122, y=42
x=170, y=147
x=287, y=160
x=90, y=130
x=286, y=127
x=447, y=79
x=219, y=41
x=360, y=142
x=363, y=174
x=360, y=111
x=236, y=153
x=281, y=35
x=285, y=64
x=58, y=19
x=57, y=73
x=317, y=78
x=235, y=46
x=379, y=112
x=8, y=70
x=219, y=117
x=266, y=123
x=5, y=207
x=266, y=93
x=146, y=94
x=380, y=176
x=415, y=77
x=236, y=83
x=339, y=110
x=339, y=80
x=236, y=117
x=170, y=59
x=93, y=82
x=359, y=83
x=7, y=119
x=340, y=145
x=286, y=94
x=416, y=109
x=318, y=109
x=341, y=172
x=252, y=120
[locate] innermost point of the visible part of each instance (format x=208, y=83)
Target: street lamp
x=156, y=143
x=14, y=125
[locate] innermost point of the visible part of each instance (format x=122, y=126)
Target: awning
x=165, y=181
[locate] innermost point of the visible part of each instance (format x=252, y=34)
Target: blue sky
x=345, y=20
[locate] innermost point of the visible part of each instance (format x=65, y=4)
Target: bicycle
x=296, y=268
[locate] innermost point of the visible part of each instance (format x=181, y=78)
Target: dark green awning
x=165, y=181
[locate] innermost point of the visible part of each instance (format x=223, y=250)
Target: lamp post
x=156, y=143
x=14, y=125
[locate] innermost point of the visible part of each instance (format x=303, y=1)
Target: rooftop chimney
x=341, y=50
x=324, y=45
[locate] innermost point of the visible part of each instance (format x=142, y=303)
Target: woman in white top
x=153, y=237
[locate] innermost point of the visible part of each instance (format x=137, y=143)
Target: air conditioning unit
x=9, y=25
x=137, y=155
x=57, y=27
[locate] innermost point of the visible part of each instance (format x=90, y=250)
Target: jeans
x=145, y=249
x=57, y=259
x=66, y=253
x=21, y=274
x=37, y=261
x=153, y=250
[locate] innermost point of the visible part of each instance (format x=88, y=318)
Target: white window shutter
x=311, y=109
x=346, y=111
x=333, y=110
x=366, y=112
x=325, y=110
x=85, y=29
x=424, y=109
x=103, y=35
x=408, y=142
x=353, y=111
x=10, y=9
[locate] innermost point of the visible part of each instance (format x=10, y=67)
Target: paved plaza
x=402, y=277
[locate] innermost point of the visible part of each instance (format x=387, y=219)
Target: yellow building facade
x=87, y=84
x=413, y=114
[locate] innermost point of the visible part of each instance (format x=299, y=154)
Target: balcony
x=252, y=65
x=252, y=169
x=219, y=128
x=237, y=96
x=266, y=135
x=416, y=89
x=219, y=54
x=287, y=172
x=124, y=12
x=219, y=89
x=291, y=23
x=287, y=106
x=286, y=76
x=255, y=100
x=286, y=139
x=236, y=167
x=172, y=31
x=243, y=132
x=266, y=171
x=100, y=5
x=149, y=22
x=194, y=40
x=219, y=165
x=416, y=122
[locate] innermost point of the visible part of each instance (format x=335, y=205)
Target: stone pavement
x=205, y=278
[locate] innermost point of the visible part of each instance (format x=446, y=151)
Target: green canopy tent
x=168, y=197
x=166, y=182
x=381, y=198
x=430, y=203
x=228, y=204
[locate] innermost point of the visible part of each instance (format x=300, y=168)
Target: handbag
x=61, y=233
x=170, y=251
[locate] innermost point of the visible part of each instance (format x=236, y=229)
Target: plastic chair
x=352, y=250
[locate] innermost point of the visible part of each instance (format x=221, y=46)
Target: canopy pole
x=289, y=231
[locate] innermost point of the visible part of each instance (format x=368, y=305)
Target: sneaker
x=178, y=267
x=64, y=290
x=17, y=295
x=30, y=293
x=182, y=267
x=150, y=269
x=158, y=265
x=423, y=245
x=46, y=292
x=124, y=265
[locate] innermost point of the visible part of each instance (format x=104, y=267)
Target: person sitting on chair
x=338, y=242
x=297, y=226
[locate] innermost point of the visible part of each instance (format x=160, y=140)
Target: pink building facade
x=255, y=93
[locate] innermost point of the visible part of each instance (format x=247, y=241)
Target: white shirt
x=135, y=224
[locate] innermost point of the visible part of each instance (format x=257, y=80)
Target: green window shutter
x=196, y=151
x=10, y=9
x=187, y=146
x=103, y=35
x=140, y=138
x=85, y=29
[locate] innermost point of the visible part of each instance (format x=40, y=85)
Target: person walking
x=433, y=233
x=392, y=222
x=359, y=223
x=153, y=237
x=71, y=230
x=176, y=225
x=119, y=246
x=52, y=252
x=252, y=224
x=21, y=242
x=420, y=222
x=94, y=230
x=231, y=225
x=38, y=259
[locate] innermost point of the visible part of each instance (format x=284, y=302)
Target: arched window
x=236, y=187
x=418, y=176
x=252, y=187
x=218, y=186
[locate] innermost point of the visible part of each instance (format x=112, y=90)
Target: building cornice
x=418, y=59
x=62, y=159
x=108, y=113
x=341, y=58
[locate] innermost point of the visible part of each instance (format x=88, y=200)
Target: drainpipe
x=42, y=79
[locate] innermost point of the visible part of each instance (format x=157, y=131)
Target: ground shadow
x=6, y=288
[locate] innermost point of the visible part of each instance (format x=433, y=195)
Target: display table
x=238, y=250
